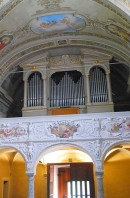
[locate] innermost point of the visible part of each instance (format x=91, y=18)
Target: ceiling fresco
x=55, y=23
x=29, y=29
x=28, y=26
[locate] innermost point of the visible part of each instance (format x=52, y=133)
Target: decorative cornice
x=112, y=9
x=10, y=6
x=37, y=37
x=65, y=60
x=27, y=53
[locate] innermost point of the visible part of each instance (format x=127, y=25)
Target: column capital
x=30, y=174
x=86, y=73
x=99, y=172
x=107, y=72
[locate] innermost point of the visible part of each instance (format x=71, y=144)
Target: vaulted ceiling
x=30, y=28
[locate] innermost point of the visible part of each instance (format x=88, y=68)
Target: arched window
x=66, y=89
x=98, y=85
x=35, y=90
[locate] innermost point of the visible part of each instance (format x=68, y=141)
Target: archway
x=116, y=172
x=14, y=182
x=65, y=172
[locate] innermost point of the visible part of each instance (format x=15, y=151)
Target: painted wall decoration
x=119, y=31
x=5, y=40
x=64, y=129
x=56, y=23
x=117, y=126
x=7, y=132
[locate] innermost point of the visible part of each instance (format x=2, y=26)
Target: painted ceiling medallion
x=57, y=23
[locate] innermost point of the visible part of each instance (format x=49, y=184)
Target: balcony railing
x=72, y=127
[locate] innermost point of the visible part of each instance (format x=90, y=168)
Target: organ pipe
x=67, y=92
x=34, y=89
x=98, y=85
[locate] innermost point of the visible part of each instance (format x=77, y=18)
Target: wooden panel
x=84, y=171
x=63, y=178
x=64, y=111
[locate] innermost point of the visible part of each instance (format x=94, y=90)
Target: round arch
x=60, y=146
x=110, y=147
x=15, y=149
x=10, y=61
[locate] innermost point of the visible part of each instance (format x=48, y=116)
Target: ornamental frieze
x=11, y=131
x=64, y=129
x=65, y=60
x=116, y=127
x=86, y=128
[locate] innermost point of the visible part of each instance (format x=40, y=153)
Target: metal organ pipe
x=66, y=92
x=98, y=85
x=37, y=95
x=31, y=91
x=35, y=92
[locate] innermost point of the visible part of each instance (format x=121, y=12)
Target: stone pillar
x=25, y=93
x=100, y=190
x=30, y=185
x=109, y=87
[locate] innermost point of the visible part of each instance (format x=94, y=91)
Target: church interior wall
x=117, y=175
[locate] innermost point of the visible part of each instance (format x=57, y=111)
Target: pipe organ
x=35, y=90
x=98, y=85
x=67, y=89
x=86, y=87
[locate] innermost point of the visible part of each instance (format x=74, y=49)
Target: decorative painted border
x=12, y=5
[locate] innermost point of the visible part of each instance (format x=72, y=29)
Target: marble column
x=30, y=185
x=100, y=190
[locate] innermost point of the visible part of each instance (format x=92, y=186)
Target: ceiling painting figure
x=5, y=40
x=119, y=31
x=57, y=23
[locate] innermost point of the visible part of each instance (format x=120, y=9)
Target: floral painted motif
x=118, y=126
x=12, y=132
x=64, y=129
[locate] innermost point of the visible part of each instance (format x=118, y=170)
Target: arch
x=35, y=89
x=107, y=149
x=102, y=66
x=121, y=5
x=13, y=171
x=15, y=148
x=10, y=63
x=98, y=85
x=59, y=146
x=116, y=170
x=29, y=73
